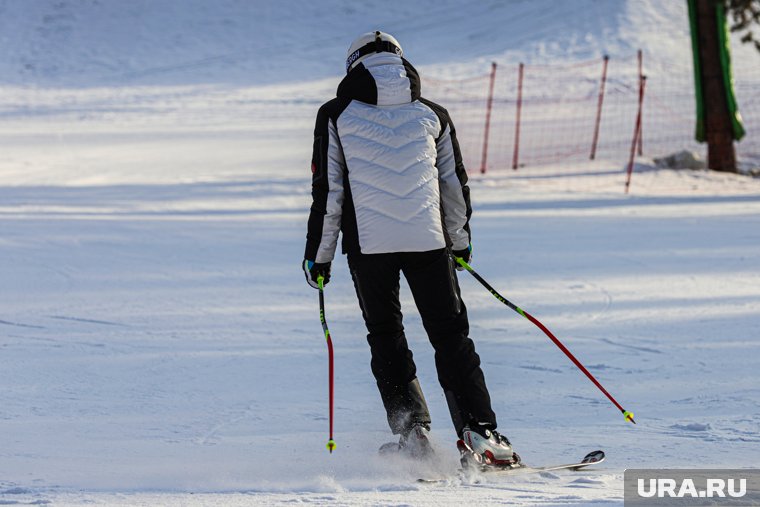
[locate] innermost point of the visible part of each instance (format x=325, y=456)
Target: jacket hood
x=382, y=79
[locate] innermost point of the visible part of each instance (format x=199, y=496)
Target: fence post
x=515, y=156
x=636, y=132
x=599, y=106
x=489, y=105
x=641, y=78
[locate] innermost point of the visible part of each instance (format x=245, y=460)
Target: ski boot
x=483, y=448
x=413, y=444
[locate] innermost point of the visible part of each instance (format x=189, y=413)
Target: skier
x=388, y=173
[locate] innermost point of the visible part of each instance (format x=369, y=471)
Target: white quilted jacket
x=387, y=168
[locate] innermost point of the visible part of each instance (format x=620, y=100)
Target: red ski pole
x=628, y=415
x=320, y=281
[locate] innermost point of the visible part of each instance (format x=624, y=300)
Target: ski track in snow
x=159, y=345
x=162, y=363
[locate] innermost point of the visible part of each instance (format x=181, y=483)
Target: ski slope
x=161, y=347
x=89, y=44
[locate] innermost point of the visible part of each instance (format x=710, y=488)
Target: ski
x=474, y=472
x=592, y=458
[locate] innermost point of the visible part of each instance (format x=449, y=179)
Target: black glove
x=465, y=255
x=313, y=270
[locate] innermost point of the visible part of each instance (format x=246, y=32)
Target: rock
x=682, y=160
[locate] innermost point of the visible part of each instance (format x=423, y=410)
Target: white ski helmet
x=371, y=42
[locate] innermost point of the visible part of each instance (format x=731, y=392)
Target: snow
x=159, y=343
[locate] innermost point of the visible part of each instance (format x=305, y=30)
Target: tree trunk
x=718, y=129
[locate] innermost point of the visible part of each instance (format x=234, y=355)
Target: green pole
x=728, y=78
x=700, y=131
x=724, y=52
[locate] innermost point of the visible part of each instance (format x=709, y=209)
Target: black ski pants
x=433, y=282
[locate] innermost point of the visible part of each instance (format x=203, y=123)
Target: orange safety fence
x=552, y=113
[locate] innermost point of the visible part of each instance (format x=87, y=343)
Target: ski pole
x=320, y=281
x=628, y=415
